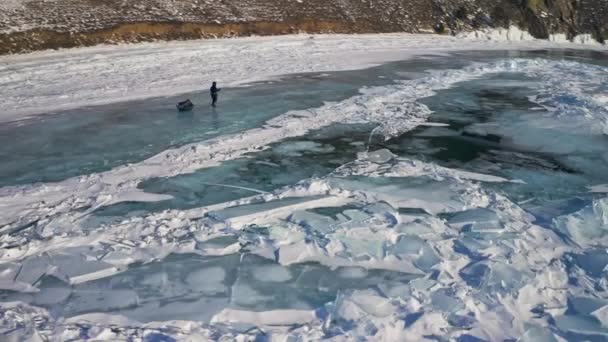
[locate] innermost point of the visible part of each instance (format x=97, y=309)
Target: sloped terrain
x=27, y=25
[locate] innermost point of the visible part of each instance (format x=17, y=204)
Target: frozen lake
x=450, y=197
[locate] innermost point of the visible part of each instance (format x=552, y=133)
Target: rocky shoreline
x=30, y=25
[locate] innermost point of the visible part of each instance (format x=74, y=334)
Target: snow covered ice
x=455, y=197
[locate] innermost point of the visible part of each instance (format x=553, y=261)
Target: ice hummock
x=384, y=246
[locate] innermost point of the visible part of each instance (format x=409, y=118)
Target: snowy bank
x=48, y=81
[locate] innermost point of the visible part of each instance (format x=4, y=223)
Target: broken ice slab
x=370, y=302
x=240, y=216
x=378, y=156
x=357, y=252
x=587, y=226
x=179, y=287
x=546, y=211
x=265, y=318
x=538, y=334
x=362, y=243
x=585, y=305
x=446, y=301
x=100, y=300
x=50, y=291
x=328, y=220
x=384, y=211
x=428, y=227
x=471, y=246
x=599, y=188
x=71, y=268
x=601, y=315
x=221, y=245
x=8, y=273
x=264, y=285
x=582, y=328
x=416, y=249
x=33, y=269
x=352, y=272
x=407, y=245
x=12, y=228
x=593, y=261
x=313, y=222
x=272, y=273
x=355, y=215
x=495, y=276
x=192, y=287
x=507, y=277
x=363, y=313
x=198, y=309
x=407, y=192
x=423, y=284
x=78, y=270
x=52, y=295
x=476, y=220
x=209, y=281
x=298, y=148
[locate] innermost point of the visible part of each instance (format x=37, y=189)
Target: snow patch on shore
x=515, y=34
x=511, y=34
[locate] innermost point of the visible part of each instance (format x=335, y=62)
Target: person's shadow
x=215, y=121
x=185, y=118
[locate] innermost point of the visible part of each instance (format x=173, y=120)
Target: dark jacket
x=214, y=90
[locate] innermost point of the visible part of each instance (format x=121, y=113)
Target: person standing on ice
x=214, y=92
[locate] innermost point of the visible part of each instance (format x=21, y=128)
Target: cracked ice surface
x=383, y=247
x=412, y=261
